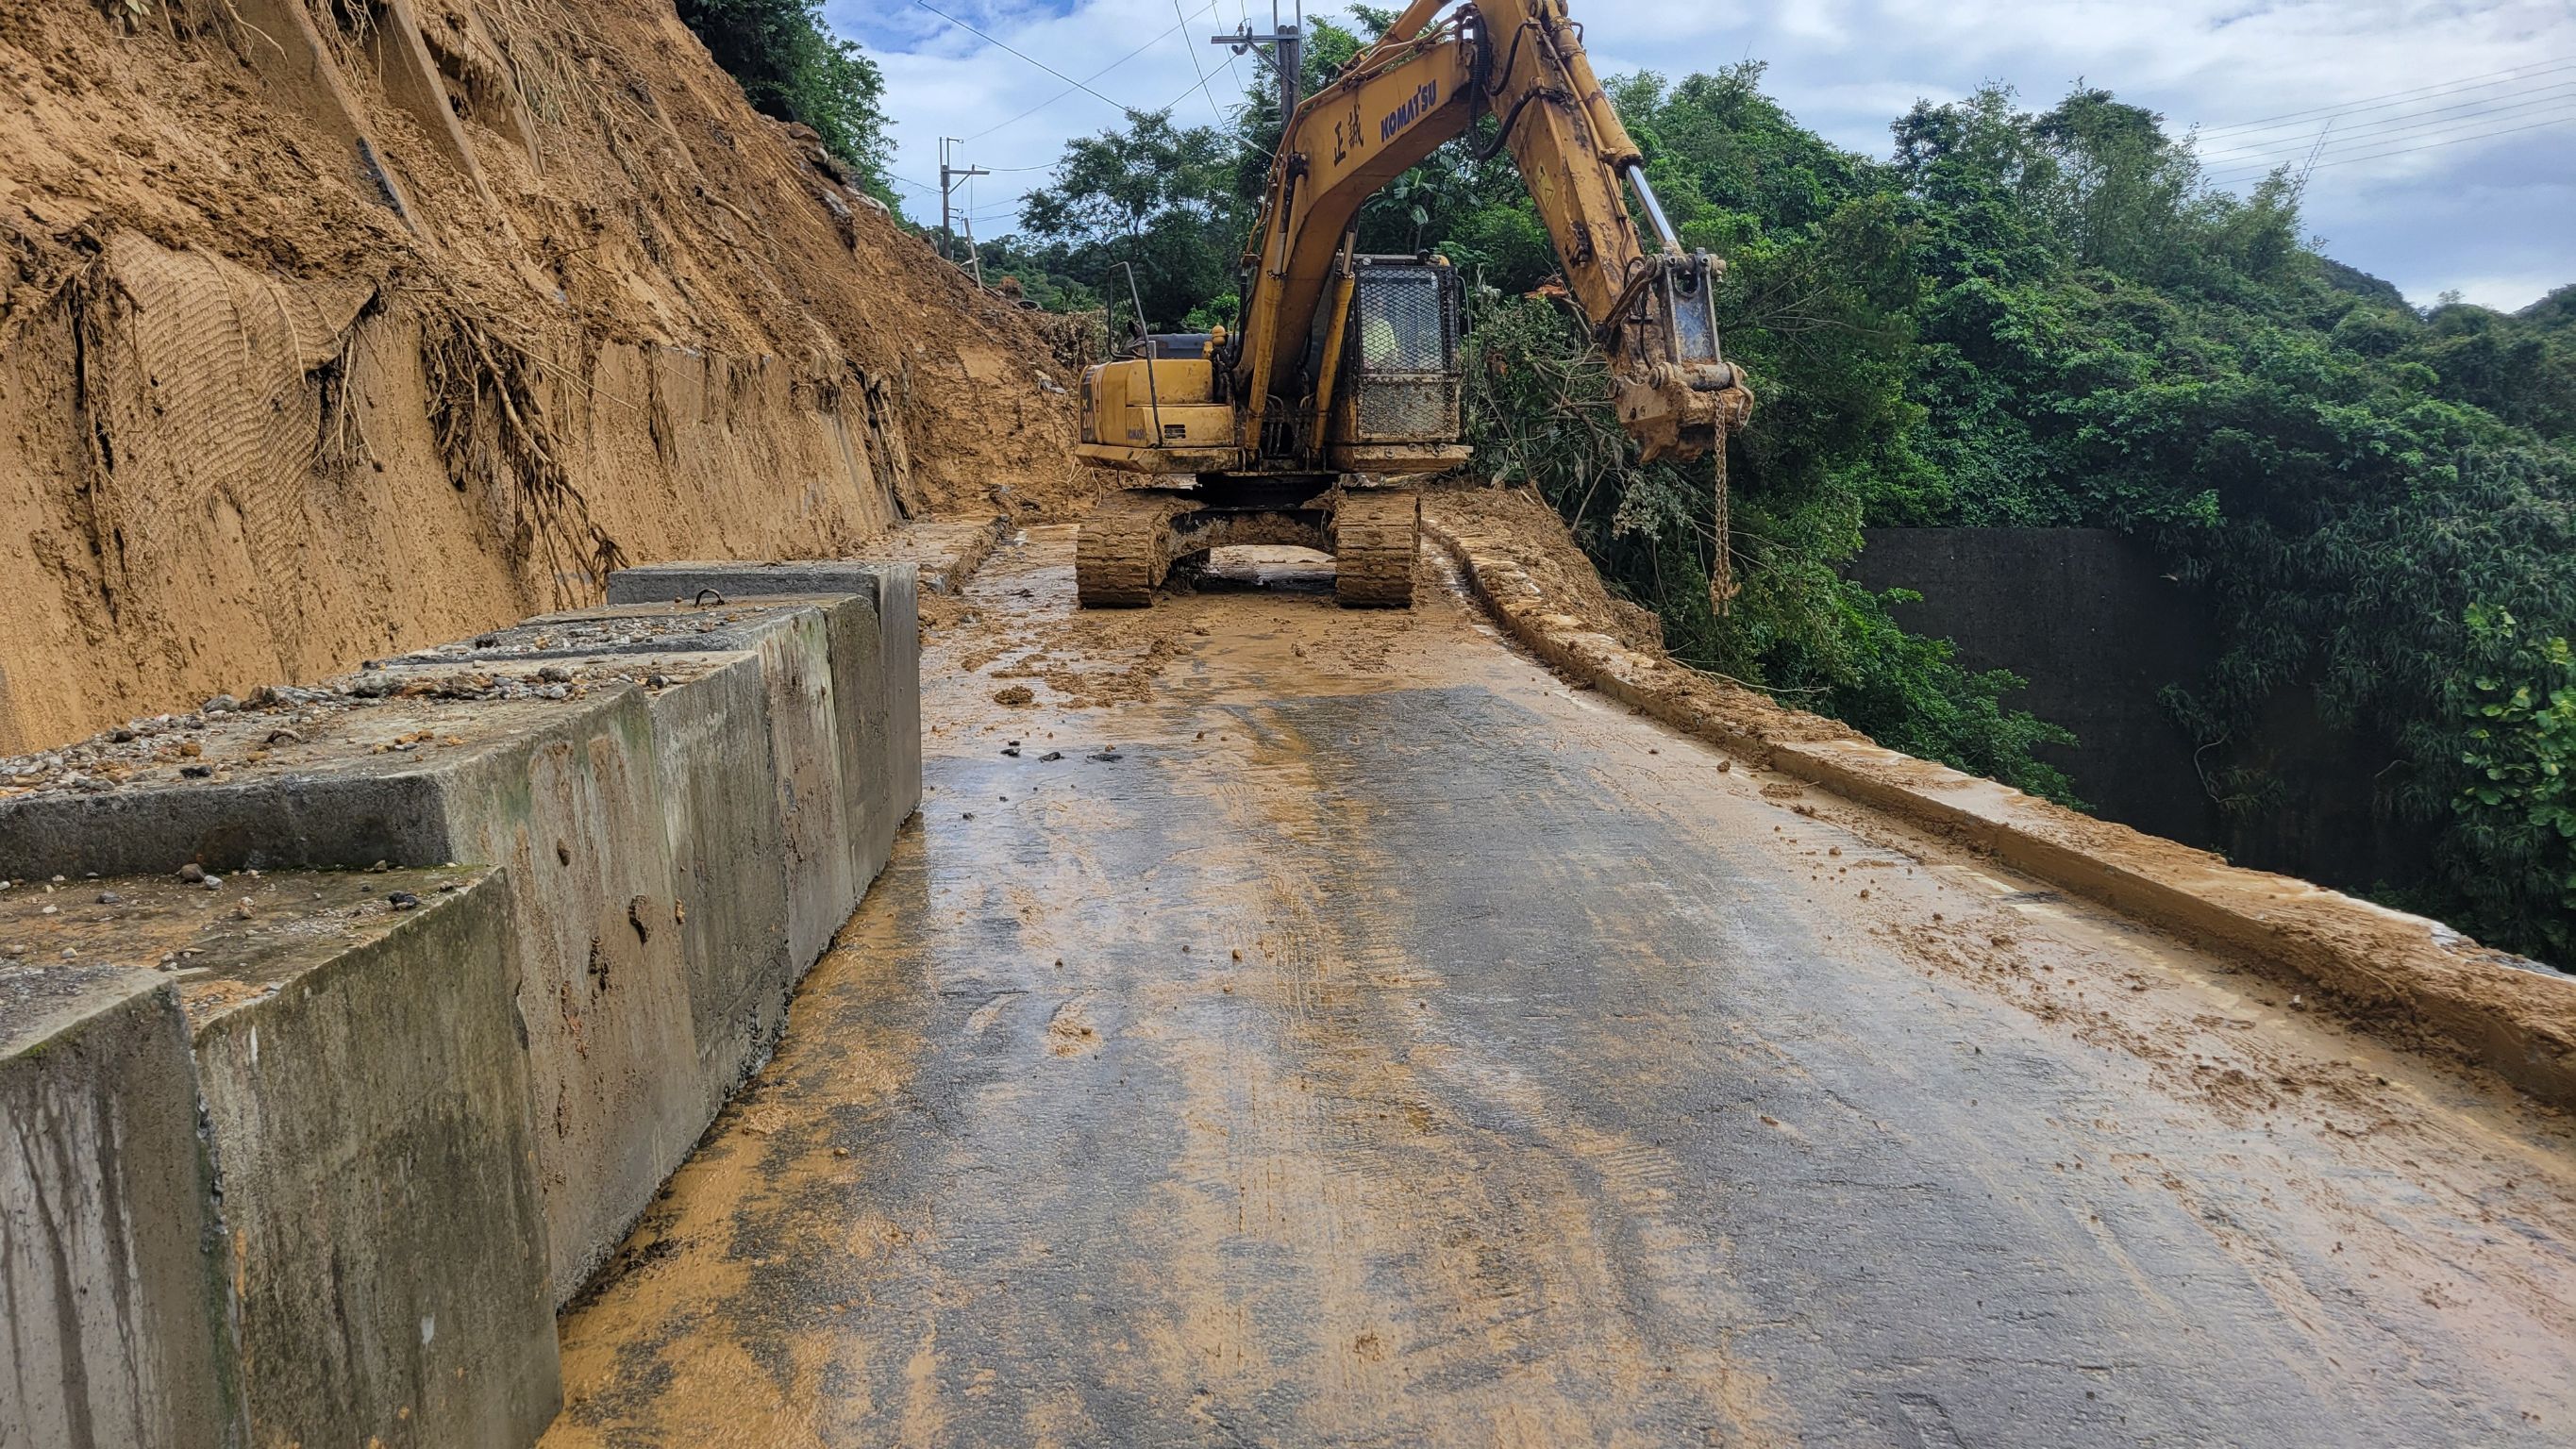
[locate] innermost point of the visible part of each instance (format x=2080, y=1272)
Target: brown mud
x=1304, y=1026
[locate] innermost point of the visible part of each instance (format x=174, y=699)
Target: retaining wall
x=2097, y=626
x=425, y=1137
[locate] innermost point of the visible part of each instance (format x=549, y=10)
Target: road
x=1389, y=1044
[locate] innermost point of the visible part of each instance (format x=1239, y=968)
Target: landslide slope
x=329, y=328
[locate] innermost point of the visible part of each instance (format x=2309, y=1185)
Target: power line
x=2407, y=122
x=1183, y=20
x=1166, y=108
x=1024, y=55
x=2482, y=125
x=1084, y=83
x=1243, y=8
x=2513, y=71
x=2406, y=150
x=2490, y=105
x=2478, y=126
x=2455, y=141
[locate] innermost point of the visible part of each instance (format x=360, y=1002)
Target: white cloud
x=2491, y=217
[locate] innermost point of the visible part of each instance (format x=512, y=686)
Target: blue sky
x=2467, y=184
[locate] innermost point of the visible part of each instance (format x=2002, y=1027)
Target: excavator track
x=1132, y=540
x=1376, y=535
x=1125, y=547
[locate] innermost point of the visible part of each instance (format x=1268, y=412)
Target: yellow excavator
x=1343, y=379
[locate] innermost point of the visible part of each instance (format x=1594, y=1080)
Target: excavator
x=1342, y=381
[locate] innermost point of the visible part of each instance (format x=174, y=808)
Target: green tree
x=790, y=65
x=1159, y=196
x=2516, y=805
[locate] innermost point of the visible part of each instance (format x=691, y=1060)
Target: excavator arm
x=1420, y=86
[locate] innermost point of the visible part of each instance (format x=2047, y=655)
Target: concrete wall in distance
x=2099, y=627
x=2093, y=621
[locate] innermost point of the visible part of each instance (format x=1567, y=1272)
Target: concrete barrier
x=566, y=793
x=356, y=1108
x=367, y=1099
x=596, y=754
x=878, y=716
x=941, y=553
x=430, y=1134
x=113, y=1322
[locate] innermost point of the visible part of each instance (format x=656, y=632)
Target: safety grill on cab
x=1401, y=353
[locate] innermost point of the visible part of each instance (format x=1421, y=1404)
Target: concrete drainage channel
x=307, y=1141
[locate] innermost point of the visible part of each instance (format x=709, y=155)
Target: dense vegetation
x=2015, y=317
x=792, y=66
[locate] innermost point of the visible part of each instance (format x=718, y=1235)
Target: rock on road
x=1354, y=1035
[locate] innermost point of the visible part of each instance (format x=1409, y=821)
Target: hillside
x=323, y=336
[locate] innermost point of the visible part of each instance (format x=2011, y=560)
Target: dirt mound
x=1534, y=572
x=331, y=329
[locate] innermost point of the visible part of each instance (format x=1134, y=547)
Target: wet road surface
x=1391, y=1045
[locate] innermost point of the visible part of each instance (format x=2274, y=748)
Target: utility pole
x=1286, y=53
x=949, y=176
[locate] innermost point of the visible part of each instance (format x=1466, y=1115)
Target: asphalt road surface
x=1358, y=1036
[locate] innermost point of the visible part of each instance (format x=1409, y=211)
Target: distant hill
x=2557, y=311
x=2356, y=282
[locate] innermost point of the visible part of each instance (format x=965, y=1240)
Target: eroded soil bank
x=328, y=331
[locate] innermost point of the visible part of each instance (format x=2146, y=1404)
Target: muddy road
x=1332, y=1029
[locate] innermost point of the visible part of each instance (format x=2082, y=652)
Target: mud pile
x=328, y=330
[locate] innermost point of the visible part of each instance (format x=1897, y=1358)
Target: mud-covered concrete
x=1297, y=1027
x=940, y=554
x=113, y=1323
x=2414, y=979
x=629, y=766
x=870, y=691
x=693, y=584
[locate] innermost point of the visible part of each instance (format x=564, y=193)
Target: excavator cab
x=1383, y=382
x=1399, y=373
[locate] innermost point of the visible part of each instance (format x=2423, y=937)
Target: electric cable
x=2516, y=72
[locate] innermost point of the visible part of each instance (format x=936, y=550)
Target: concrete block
x=682, y=583
x=844, y=714
x=367, y=1095
x=113, y=1327
x=344, y=793
x=576, y=815
x=689, y=803
x=567, y=793
x=878, y=689
x=733, y=873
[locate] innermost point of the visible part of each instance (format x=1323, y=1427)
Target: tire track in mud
x=1512, y=1235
